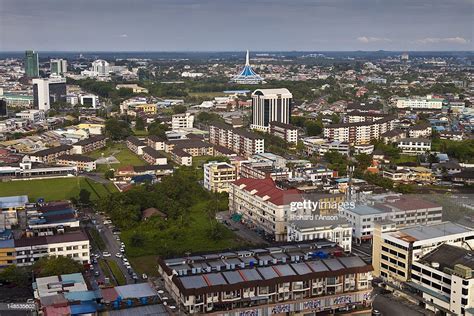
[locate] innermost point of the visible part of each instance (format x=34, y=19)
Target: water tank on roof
x=435, y=265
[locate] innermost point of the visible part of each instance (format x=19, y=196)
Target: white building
x=286, y=131
x=414, y=146
x=89, y=100
x=445, y=279
x=403, y=211
x=270, y=105
x=419, y=103
x=262, y=205
x=183, y=120
x=47, y=90
x=100, y=67
x=33, y=116
x=338, y=230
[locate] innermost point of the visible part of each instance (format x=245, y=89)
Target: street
x=240, y=230
x=390, y=305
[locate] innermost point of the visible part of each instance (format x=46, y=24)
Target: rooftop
x=447, y=256
x=420, y=233
x=13, y=201
x=267, y=189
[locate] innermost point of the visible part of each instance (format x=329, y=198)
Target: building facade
x=270, y=105
x=218, y=176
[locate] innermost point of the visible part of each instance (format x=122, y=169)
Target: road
x=390, y=305
x=240, y=229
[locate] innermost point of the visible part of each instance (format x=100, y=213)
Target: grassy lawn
x=97, y=239
x=55, y=189
x=140, y=133
x=119, y=277
x=172, y=236
x=405, y=158
x=119, y=151
x=207, y=94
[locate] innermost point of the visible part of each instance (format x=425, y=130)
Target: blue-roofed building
x=247, y=75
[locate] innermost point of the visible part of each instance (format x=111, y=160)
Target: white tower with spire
x=247, y=75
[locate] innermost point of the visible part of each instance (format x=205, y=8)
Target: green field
x=120, y=152
x=55, y=189
x=405, y=159
x=177, y=238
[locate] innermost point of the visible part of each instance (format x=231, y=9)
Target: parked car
x=144, y=276
x=106, y=254
x=97, y=273
x=118, y=255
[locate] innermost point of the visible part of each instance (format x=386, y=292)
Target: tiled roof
x=266, y=187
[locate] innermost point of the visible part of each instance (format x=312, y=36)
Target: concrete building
x=270, y=105
x=444, y=279
x=83, y=163
x=414, y=146
x=402, y=211
x=153, y=157
x=296, y=279
x=285, y=131
x=89, y=100
x=337, y=230
x=218, y=176
x=395, y=252
x=48, y=156
x=89, y=144
x=359, y=132
x=420, y=103
x=34, y=116
x=58, y=67
x=135, y=145
x=48, y=90
x=100, y=68
x=262, y=205
x=240, y=141
x=31, y=64
x=183, y=120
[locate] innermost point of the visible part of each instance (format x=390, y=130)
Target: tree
x=137, y=239
x=363, y=161
x=313, y=128
x=139, y=124
x=49, y=266
x=117, y=129
x=16, y=275
x=158, y=129
x=178, y=109
x=84, y=197
x=109, y=174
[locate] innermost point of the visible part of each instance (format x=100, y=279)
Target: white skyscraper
x=270, y=105
x=47, y=90
x=100, y=68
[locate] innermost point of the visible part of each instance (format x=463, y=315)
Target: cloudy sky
x=225, y=25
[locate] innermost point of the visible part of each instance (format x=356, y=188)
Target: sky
x=236, y=25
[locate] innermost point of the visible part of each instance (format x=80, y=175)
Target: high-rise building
x=3, y=107
x=58, y=66
x=48, y=90
x=270, y=105
x=31, y=64
x=100, y=67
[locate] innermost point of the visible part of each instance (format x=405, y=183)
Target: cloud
x=123, y=35
x=437, y=40
x=368, y=39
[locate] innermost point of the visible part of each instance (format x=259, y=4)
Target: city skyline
x=189, y=25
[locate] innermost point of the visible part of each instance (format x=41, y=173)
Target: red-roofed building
x=263, y=205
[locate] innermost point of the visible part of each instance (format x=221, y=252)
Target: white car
x=122, y=250
x=118, y=255
x=122, y=244
x=106, y=254
x=144, y=276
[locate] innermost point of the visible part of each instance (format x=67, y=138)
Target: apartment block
x=49, y=156
x=83, y=163
x=414, y=146
x=240, y=141
x=135, y=145
x=153, y=157
x=285, y=131
x=420, y=103
x=183, y=120
x=89, y=144
x=218, y=176
x=359, y=132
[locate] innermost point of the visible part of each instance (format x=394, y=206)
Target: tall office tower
x=100, y=67
x=270, y=105
x=48, y=90
x=31, y=64
x=58, y=67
